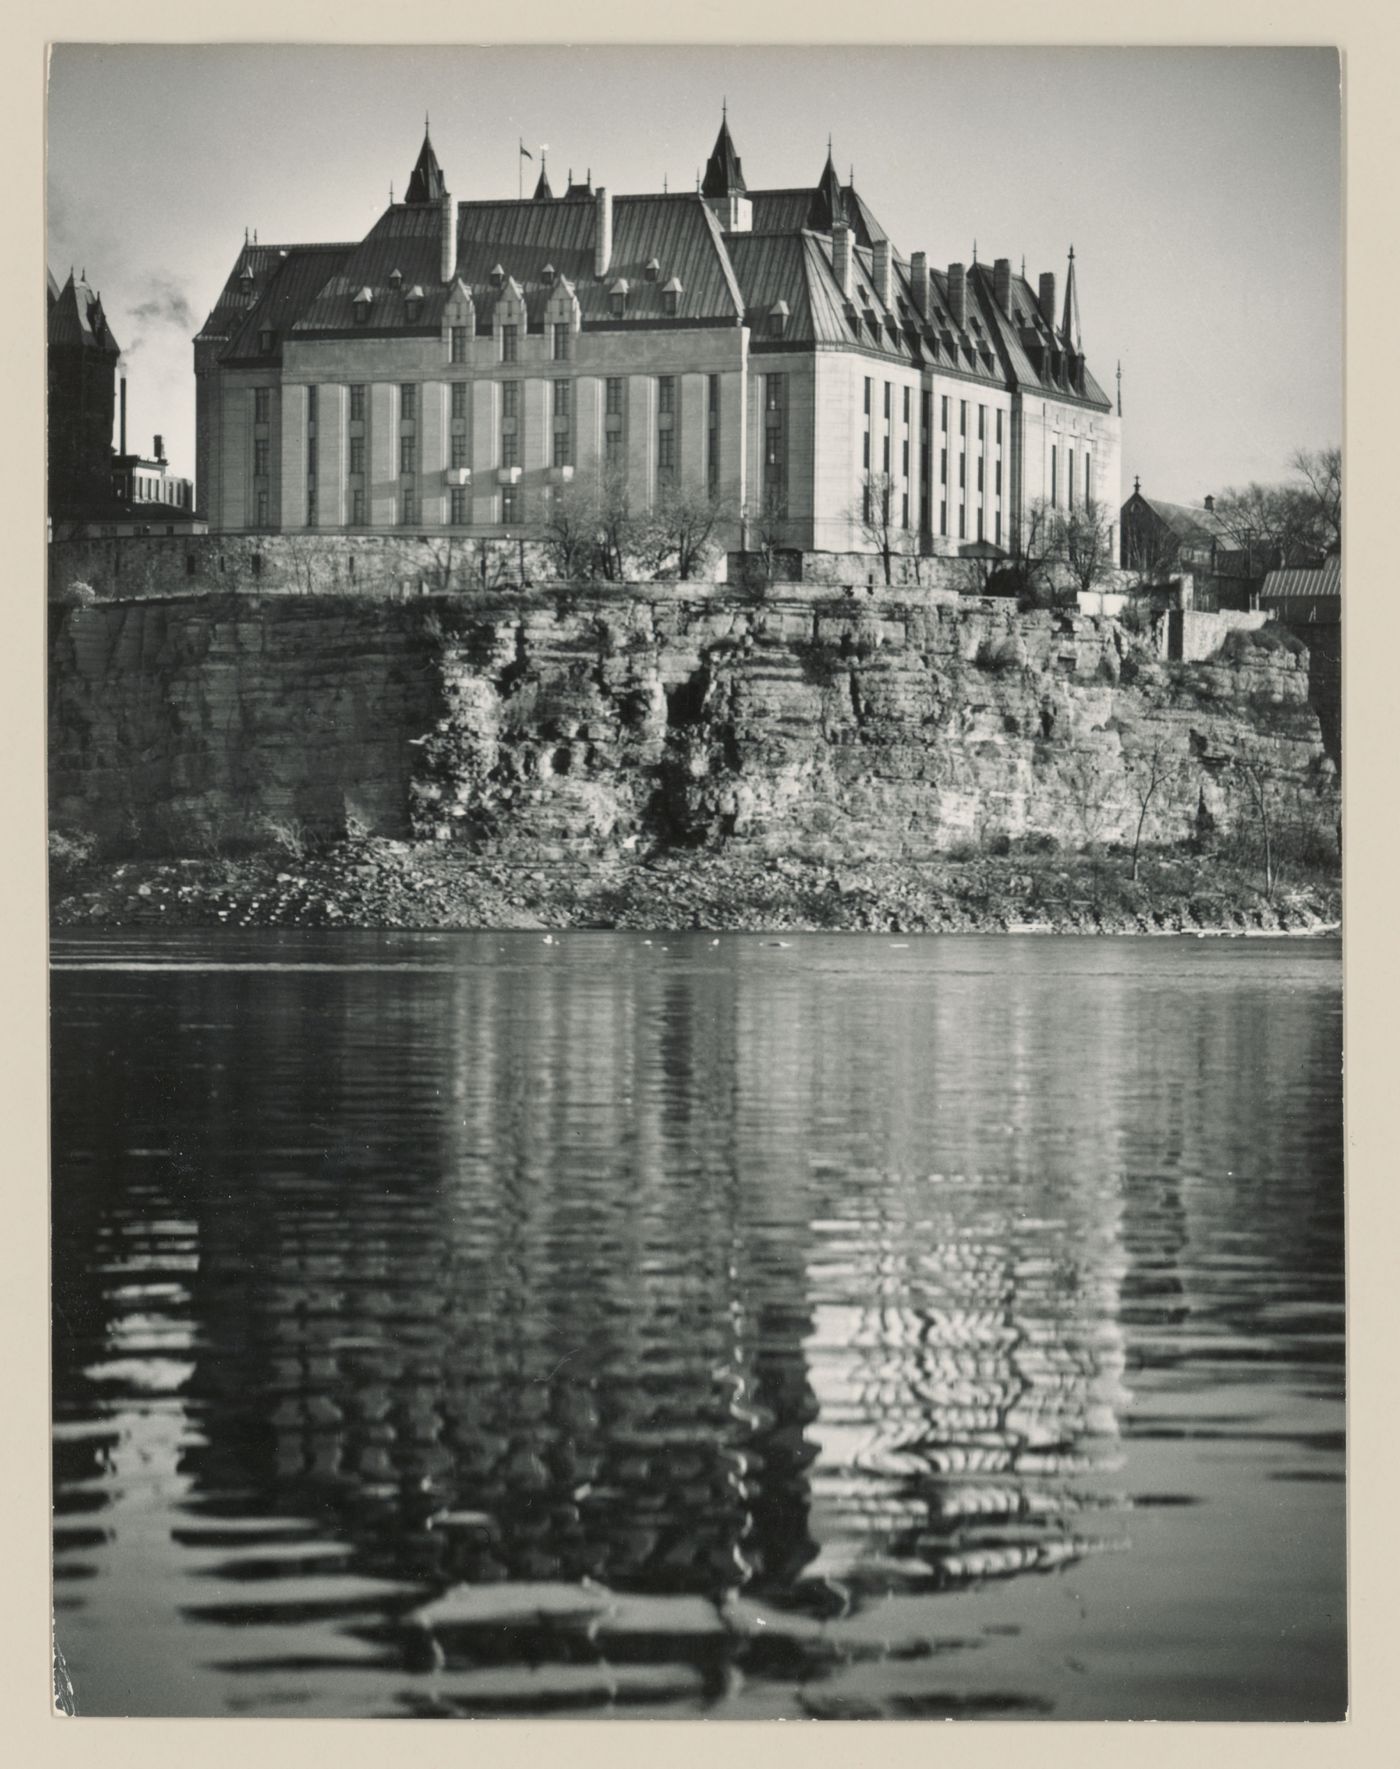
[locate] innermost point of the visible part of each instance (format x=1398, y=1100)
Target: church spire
x=543, y=194
x=1069, y=327
x=426, y=183
x=724, y=175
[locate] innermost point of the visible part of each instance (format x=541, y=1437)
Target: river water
x=475, y=1324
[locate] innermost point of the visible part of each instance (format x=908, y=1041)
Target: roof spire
x=724, y=175
x=974, y=251
x=828, y=203
x=1070, y=325
x=543, y=193
x=1120, y=389
x=426, y=183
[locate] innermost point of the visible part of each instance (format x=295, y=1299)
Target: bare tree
x=572, y=529
x=766, y=530
x=1259, y=790
x=874, y=516
x=446, y=557
x=489, y=562
x=1082, y=542
x=1151, y=774
x=1320, y=470
x=683, y=525
x=1090, y=786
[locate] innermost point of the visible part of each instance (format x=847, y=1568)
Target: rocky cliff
x=557, y=723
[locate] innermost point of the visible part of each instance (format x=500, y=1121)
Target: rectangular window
x=887, y=454
x=998, y=528
x=408, y=400
x=561, y=343
x=458, y=515
x=357, y=454
x=906, y=416
x=1088, y=478
x=962, y=472
x=666, y=451
x=311, y=404
x=459, y=399
x=979, y=522
x=1069, y=478
x=408, y=454
x=614, y=396
x=357, y=405
x=561, y=448
x=775, y=388
x=510, y=343
x=906, y=510
x=261, y=450
x=666, y=393
x=262, y=509
x=262, y=404
x=980, y=467
x=867, y=396
x=357, y=508
x=943, y=419
x=408, y=508
x=612, y=448
x=1054, y=477
x=311, y=457
x=943, y=516
x=510, y=503
x=906, y=457
x=458, y=344
x=510, y=397
x=943, y=467
x=865, y=441
x=714, y=397
x=998, y=478
x=561, y=399
x=962, y=522
x=887, y=399
x=311, y=517
x=981, y=423
x=460, y=443
x=962, y=417
x=510, y=449
x=999, y=418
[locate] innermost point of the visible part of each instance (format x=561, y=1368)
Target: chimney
x=160, y=448
x=957, y=295
x=449, y=238
x=841, y=257
x=1047, y=298
x=880, y=271
x=918, y=282
x=1001, y=285
x=602, y=239
x=123, y=421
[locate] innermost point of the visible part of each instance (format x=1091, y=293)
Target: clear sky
x=1201, y=190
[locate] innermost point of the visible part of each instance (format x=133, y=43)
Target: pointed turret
x=828, y=202
x=1069, y=327
x=543, y=194
x=724, y=174
x=426, y=183
x=723, y=186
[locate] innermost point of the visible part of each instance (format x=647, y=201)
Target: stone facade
x=466, y=360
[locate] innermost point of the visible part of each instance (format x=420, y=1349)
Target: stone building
x=82, y=383
x=465, y=360
x=1160, y=541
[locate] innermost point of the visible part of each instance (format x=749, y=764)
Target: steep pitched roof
x=290, y=288
x=828, y=203
x=724, y=173
x=1198, y=526
x=426, y=183
x=76, y=320
x=543, y=194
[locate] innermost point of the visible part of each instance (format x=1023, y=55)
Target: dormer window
x=653, y=270
x=265, y=341
x=498, y=276
x=395, y=278
x=245, y=277
x=617, y=297
x=363, y=302
x=413, y=303
x=671, y=297
x=547, y=274
x=778, y=319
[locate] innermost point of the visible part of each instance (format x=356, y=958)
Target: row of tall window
x=1069, y=476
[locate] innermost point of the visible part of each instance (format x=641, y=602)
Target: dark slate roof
x=53, y=286
x=543, y=194
x=525, y=237
x=236, y=301
x=828, y=205
x=426, y=183
x=1034, y=351
x=76, y=320
x=724, y=173
x=1198, y=526
x=289, y=289
x=1286, y=585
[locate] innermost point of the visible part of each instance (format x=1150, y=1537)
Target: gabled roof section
x=248, y=283
x=426, y=183
x=287, y=289
x=1033, y=350
x=724, y=174
x=76, y=320
x=1198, y=526
x=408, y=238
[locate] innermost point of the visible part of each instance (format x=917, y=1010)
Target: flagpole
x=520, y=170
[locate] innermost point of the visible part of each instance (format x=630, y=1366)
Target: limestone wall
x=564, y=723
